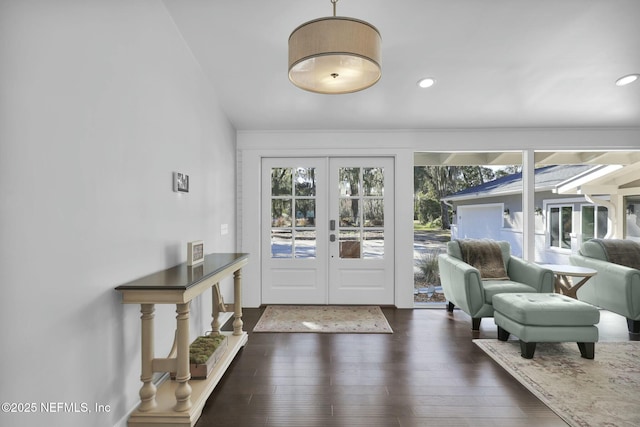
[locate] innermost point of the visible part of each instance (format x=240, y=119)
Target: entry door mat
x=599, y=392
x=324, y=319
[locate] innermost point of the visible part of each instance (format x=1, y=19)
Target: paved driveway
x=430, y=241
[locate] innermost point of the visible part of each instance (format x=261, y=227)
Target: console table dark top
x=182, y=276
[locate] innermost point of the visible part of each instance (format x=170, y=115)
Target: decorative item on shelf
x=334, y=55
x=195, y=252
x=539, y=211
x=506, y=212
x=180, y=182
x=204, y=353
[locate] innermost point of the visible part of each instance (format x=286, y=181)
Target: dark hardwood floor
x=427, y=373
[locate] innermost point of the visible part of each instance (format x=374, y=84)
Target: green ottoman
x=535, y=318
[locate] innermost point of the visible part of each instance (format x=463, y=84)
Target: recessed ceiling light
x=625, y=80
x=426, y=82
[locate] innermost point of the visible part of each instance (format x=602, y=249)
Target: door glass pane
x=281, y=212
x=293, y=192
x=361, y=209
x=349, y=244
x=349, y=181
x=373, y=181
x=281, y=243
x=374, y=213
x=349, y=213
x=305, y=212
x=373, y=244
x=305, y=243
x=281, y=181
x=305, y=182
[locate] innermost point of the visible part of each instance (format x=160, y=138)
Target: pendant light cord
x=333, y=2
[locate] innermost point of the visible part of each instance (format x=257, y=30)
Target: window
x=594, y=222
x=560, y=226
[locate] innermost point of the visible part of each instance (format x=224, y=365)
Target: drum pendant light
x=334, y=55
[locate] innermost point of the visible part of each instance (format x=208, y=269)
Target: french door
x=327, y=231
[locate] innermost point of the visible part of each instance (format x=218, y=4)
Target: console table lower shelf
x=165, y=415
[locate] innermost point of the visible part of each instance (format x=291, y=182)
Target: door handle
x=332, y=225
x=332, y=237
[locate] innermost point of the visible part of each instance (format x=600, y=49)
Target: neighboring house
x=615, y=187
x=565, y=215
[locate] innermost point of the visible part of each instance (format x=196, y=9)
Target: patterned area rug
x=326, y=319
x=599, y=392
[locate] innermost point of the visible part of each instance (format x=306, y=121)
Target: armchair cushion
x=617, y=251
x=495, y=287
x=486, y=256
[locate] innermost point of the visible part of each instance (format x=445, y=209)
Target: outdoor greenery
x=433, y=183
x=418, y=226
x=293, y=192
x=427, y=263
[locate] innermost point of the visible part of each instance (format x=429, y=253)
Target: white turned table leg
x=216, y=302
x=237, y=296
x=148, y=390
x=183, y=374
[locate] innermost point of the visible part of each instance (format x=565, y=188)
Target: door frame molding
x=248, y=207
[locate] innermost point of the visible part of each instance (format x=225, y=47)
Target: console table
x=179, y=402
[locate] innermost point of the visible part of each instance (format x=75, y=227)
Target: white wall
x=100, y=102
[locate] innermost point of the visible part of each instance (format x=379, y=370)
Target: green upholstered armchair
x=616, y=287
x=466, y=288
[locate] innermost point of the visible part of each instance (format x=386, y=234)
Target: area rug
x=599, y=392
x=327, y=319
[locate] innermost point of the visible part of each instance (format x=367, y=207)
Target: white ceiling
x=498, y=63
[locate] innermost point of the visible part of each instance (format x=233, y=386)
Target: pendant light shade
x=334, y=55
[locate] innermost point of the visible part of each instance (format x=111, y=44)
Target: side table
x=563, y=272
